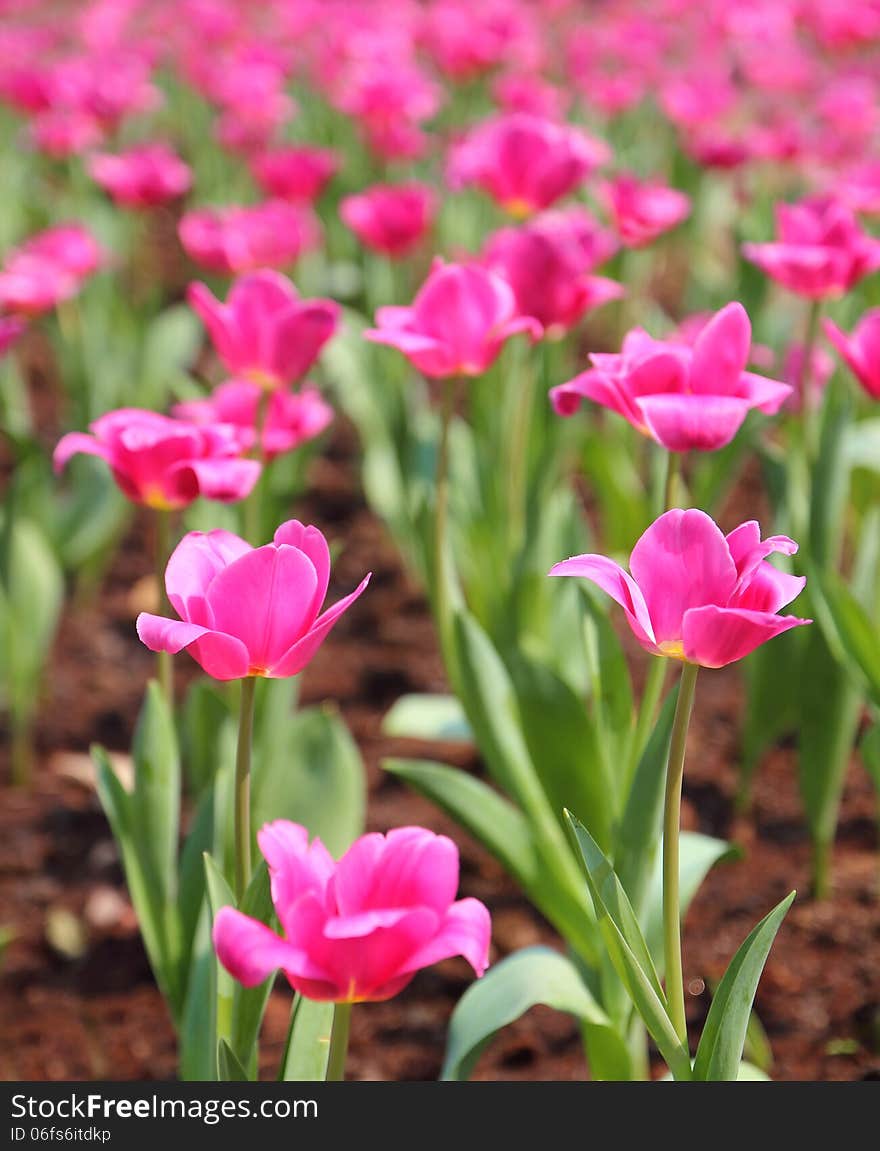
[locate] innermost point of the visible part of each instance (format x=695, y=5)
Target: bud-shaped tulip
x=295, y=173
x=390, y=218
x=142, y=177
x=642, y=211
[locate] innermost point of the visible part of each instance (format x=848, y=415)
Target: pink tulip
x=164, y=463
x=642, y=211
x=390, y=100
x=530, y=93
x=695, y=594
x=861, y=350
x=265, y=332
x=64, y=132
x=240, y=239
x=291, y=418
x=142, y=177
x=547, y=263
x=295, y=173
x=390, y=218
x=357, y=930
x=47, y=269
x=683, y=397
x=821, y=250
x=457, y=324
x=247, y=611
x=523, y=162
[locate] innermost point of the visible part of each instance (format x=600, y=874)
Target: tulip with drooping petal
x=141, y=177
x=165, y=463
x=525, y=163
x=457, y=324
x=290, y=419
x=358, y=930
x=547, y=261
x=860, y=350
x=265, y=332
x=247, y=611
x=685, y=398
x=695, y=594
x=390, y=218
x=821, y=251
x=642, y=210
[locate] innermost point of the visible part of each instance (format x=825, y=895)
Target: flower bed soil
x=76, y=994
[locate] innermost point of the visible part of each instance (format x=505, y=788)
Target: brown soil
x=76, y=995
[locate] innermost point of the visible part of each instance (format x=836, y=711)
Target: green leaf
x=773, y=696
x=204, y=715
x=721, y=1045
x=870, y=749
x=535, y=975
x=504, y=831
x=849, y=625
x=829, y=485
x=308, y=1042
x=196, y=1043
x=629, y=952
x=611, y=684
x=156, y=799
x=564, y=745
x=229, y=1068
x=437, y=718
x=638, y=835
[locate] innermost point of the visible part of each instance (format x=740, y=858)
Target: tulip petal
x=617, y=583
x=265, y=598
x=193, y=564
x=78, y=443
x=464, y=930
x=408, y=867
x=250, y=951
x=766, y=395
x=312, y=543
x=298, y=654
x=217, y=319
x=225, y=480
x=296, y=867
x=681, y=562
x=716, y=636
x=721, y=352
x=222, y=656
x=684, y=423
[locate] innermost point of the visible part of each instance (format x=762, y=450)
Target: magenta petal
x=617, y=583
x=766, y=395
x=76, y=443
x=250, y=951
x=715, y=636
x=682, y=561
x=194, y=563
x=296, y=867
x=464, y=930
x=408, y=867
x=721, y=352
x=363, y=923
x=312, y=542
x=225, y=480
x=684, y=423
x=299, y=654
x=768, y=590
x=222, y=656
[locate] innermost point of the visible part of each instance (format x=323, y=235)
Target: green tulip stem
x=339, y=1042
x=243, y=787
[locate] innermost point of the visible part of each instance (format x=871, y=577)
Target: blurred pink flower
x=642, y=210
x=685, y=398
x=860, y=351
x=806, y=391
x=295, y=173
x=525, y=163
x=48, y=268
x=457, y=324
x=390, y=218
x=240, y=239
x=821, y=250
x=162, y=462
x=247, y=611
x=528, y=92
x=360, y=929
x=547, y=263
x=265, y=332
x=65, y=132
x=695, y=594
x=291, y=418
x=143, y=176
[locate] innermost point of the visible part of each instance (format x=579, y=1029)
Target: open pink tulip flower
x=642, y=210
x=525, y=163
x=694, y=594
x=162, y=462
x=547, y=263
x=458, y=322
x=299, y=173
x=357, y=930
x=821, y=251
x=142, y=177
x=265, y=332
x=391, y=219
x=291, y=418
x=47, y=269
x=685, y=398
x=860, y=351
x=247, y=611
x=241, y=239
